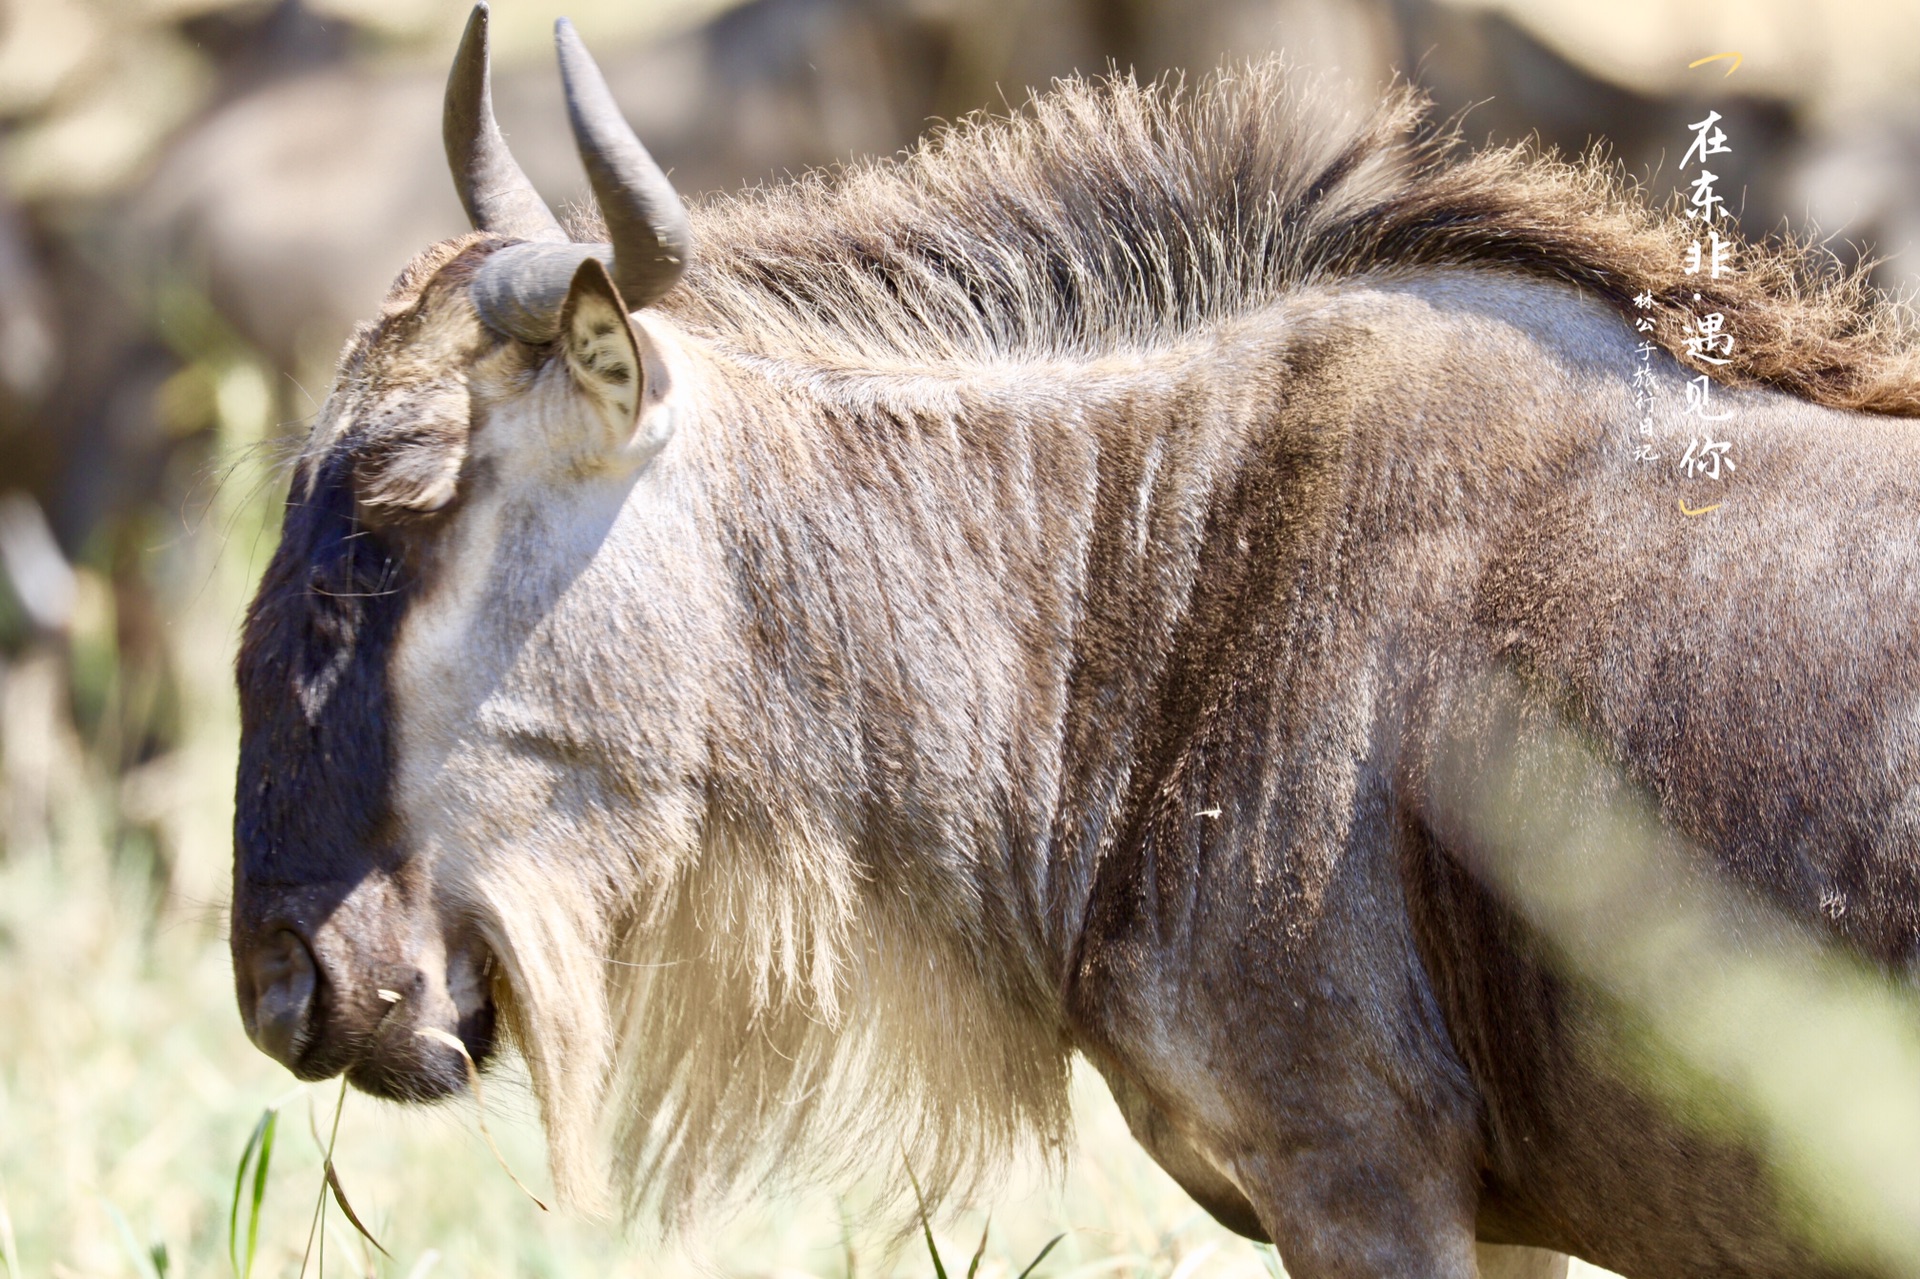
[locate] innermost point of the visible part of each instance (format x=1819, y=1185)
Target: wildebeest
x=807, y=669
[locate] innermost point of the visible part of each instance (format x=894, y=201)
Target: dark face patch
x=342, y=959
x=312, y=806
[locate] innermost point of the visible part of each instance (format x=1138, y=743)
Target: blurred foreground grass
x=128, y=1090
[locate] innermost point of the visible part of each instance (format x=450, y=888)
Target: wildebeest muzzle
x=356, y=979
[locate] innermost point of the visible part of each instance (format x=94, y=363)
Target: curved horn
x=651, y=239
x=492, y=186
x=520, y=289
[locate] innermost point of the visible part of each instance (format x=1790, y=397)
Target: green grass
x=259, y=1157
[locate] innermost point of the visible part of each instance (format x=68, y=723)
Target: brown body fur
x=1037, y=635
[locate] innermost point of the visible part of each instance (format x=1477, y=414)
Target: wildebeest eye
x=414, y=469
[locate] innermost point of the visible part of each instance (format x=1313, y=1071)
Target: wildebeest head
x=365, y=936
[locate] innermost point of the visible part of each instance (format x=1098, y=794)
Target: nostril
x=284, y=978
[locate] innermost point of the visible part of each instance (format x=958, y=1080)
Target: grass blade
x=340, y=1197
x=1040, y=1257
x=239, y=1187
x=320, y=1202
x=973, y=1267
x=270, y=1124
x=480, y=1107
x=926, y=1226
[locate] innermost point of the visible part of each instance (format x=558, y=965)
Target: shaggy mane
x=1112, y=214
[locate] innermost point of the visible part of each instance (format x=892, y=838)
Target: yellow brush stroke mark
x=1686, y=510
x=1701, y=62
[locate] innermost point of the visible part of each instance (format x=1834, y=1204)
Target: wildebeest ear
x=600, y=348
